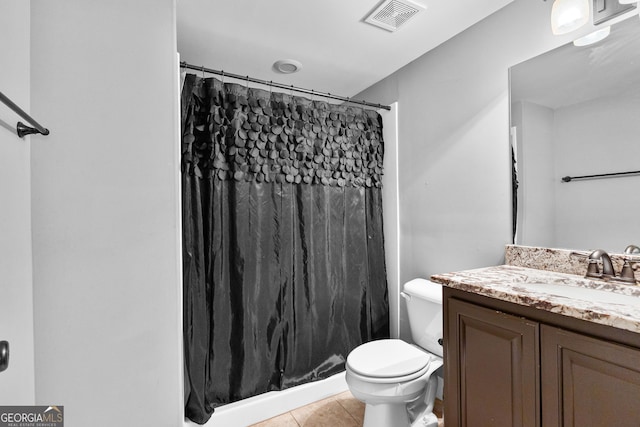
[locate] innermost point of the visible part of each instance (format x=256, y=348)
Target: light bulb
x=569, y=15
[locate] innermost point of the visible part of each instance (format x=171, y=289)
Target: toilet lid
x=387, y=358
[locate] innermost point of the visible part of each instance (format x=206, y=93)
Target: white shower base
x=267, y=405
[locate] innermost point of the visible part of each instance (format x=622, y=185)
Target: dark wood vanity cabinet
x=588, y=382
x=509, y=365
x=492, y=366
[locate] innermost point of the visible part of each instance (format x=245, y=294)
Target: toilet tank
x=424, y=307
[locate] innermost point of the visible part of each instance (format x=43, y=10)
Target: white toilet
x=395, y=379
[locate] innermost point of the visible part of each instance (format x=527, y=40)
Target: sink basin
x=587, y=294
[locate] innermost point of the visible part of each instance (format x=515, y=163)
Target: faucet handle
x=592, y=269
x=632, y=250
x=627, y=274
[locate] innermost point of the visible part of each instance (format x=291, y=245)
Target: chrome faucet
x=608, y=273
x=607, y=266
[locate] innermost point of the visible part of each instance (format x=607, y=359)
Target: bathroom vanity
x=530, y=347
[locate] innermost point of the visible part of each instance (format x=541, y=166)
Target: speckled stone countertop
x=558, y=260
x=526, y=286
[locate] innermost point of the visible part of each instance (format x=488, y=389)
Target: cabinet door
x=491, y=368
x=587, y=382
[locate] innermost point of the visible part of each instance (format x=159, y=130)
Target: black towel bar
x=21, y=128
x=598, y=176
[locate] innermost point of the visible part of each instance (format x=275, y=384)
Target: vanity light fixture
x=568, y=15
x=592, y=38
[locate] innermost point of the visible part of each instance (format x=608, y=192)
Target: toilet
x=396, y=380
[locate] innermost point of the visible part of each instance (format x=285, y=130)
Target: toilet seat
x=388, y=360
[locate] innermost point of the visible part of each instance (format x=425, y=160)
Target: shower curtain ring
x=222, y=77
x=203, y=72
x=247, y=82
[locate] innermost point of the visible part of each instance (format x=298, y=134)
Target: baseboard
x=268, y=405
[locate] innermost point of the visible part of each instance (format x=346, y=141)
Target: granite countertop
x=526, y=286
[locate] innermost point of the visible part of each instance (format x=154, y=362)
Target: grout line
x=330, y=398
x=294, y=417
x=348, y=412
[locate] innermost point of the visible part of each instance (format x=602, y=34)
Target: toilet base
x=389, y=414
x=427, y=420
x=385, y=415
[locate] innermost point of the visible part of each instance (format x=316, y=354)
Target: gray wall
x=454, y=161
x=16, y=288
x=105, y=211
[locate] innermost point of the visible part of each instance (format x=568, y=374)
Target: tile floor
x=341, y=410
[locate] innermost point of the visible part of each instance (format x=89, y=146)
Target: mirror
x=575, y=111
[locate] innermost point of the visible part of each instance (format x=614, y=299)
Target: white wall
x=454, y=160
x=16, y=290
x=536, y=174
x=599, y=136
x=391, y=209
x=106, y=249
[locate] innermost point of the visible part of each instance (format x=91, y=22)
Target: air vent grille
x=392, y=14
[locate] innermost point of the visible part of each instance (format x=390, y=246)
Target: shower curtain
x=283, y=247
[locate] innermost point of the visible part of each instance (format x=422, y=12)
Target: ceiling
x=339, y=52
x=570, y=75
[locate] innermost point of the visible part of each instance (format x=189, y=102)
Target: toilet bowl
x=388, y=375
x=396, y=380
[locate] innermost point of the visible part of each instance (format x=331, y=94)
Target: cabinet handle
x=4, y=355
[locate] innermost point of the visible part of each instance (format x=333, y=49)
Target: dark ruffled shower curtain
x=283, y=248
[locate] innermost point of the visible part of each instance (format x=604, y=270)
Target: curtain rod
x=281, y=86
x=21, y=128
x=602, y=175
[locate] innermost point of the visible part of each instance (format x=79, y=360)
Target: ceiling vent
x=392, y=14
